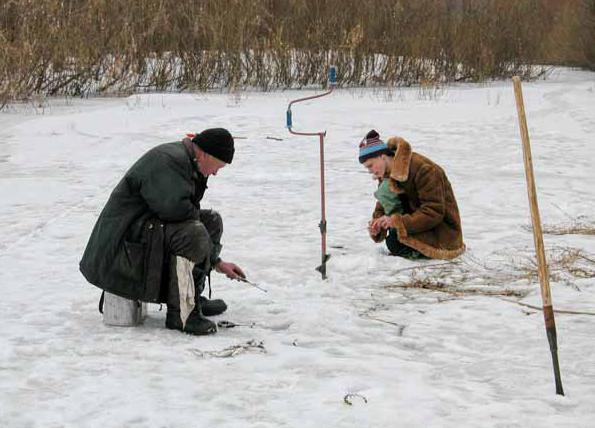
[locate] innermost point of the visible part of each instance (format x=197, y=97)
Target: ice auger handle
x=332, y=76
x=289, y=119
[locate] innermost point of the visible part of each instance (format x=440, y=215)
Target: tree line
x=83, y=47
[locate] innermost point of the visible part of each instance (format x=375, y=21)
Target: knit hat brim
x=216, y=142
x=375, y=153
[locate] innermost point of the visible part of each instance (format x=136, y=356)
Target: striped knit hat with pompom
x=372, y=146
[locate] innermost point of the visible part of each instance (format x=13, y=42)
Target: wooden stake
x=544, y=280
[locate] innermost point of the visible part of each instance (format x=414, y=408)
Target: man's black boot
x=196, y=323
x=209, y=307
x=212, y=307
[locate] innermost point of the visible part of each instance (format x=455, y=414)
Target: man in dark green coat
x=153, y=242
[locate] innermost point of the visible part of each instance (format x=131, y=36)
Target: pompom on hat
x=372, y=146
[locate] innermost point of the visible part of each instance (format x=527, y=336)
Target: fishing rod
x=332, y=83
x=242, y=279
x=544, y=280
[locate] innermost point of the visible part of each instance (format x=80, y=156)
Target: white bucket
x=123, y=312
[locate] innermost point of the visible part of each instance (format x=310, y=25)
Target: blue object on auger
x=289, y=119
x=332, y=75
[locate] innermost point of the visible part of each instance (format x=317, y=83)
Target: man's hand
x=231, y=270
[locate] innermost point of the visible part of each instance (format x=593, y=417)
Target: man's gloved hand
x=231, y=270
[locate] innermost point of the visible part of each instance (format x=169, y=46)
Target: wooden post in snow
x=544, y=280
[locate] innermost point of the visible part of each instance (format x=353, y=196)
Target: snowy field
x=420, y=358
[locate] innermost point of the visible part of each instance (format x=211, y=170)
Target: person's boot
x=196, y=323
x=210, y=307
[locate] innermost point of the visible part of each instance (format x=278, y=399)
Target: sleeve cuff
x=399, y=225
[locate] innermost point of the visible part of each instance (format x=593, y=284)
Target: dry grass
x=574, y=225
x=571, y=228
x=504, y=276
x=83, y=47
x=233, y=350
x=444, y=287
x=565, y=265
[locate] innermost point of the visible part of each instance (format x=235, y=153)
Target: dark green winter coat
x=125, y=252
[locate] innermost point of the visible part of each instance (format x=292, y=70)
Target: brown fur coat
x=431, y=223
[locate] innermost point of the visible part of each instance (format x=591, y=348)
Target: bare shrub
x=571, y=39
x=82, y=47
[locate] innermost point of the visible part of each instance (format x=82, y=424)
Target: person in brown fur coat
x=416, y=211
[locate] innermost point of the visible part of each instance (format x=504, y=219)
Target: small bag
x=122, y=312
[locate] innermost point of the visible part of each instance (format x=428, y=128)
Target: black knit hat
x=217, y=142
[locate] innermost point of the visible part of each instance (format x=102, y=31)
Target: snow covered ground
x=450, y=360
